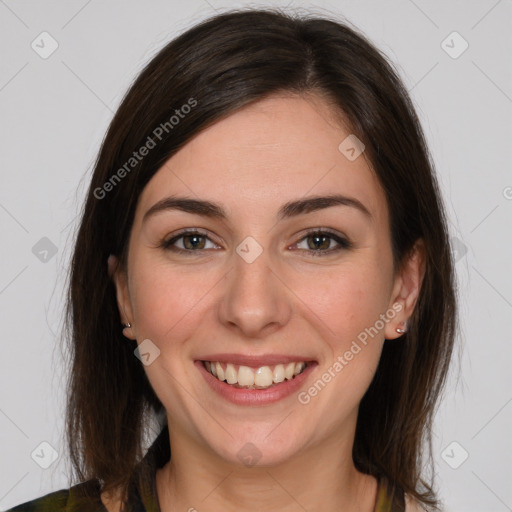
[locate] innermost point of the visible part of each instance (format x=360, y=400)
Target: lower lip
x=240, y=396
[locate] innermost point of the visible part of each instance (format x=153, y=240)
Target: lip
x=255, y=397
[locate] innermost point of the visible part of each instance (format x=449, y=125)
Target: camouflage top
x=85, y=497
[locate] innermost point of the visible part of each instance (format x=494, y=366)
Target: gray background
x=54, y=113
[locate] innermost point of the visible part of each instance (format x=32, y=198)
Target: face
x=265, y=275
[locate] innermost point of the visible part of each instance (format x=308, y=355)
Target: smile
x=255, y=380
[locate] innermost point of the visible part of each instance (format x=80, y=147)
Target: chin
x=259, y=450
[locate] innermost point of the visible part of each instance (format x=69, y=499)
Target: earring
x=402, y=331
x=127, y=326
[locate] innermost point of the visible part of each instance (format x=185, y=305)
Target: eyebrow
x=288, y=210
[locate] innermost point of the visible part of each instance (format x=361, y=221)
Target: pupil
x=194, y=242
x=319, y=242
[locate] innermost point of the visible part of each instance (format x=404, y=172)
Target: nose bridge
x=254, y=300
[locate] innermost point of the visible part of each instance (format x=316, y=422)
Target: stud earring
x=402, y=331
x=127, y=326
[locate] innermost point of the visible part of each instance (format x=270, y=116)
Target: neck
x=320, y=477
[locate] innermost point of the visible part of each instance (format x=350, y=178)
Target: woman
x=263, y=261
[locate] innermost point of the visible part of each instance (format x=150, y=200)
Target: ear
x=120, y=279
x=406, y=289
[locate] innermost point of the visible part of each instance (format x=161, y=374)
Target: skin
x=287, y=301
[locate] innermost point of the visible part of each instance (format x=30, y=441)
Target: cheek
x=166, y=300
x=168, y=306
x=346, y=300
x=346, y=306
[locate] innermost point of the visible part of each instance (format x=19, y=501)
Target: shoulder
x=411, y=505
x=83, y=497
x=55, y=501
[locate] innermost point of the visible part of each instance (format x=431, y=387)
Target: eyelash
x=343, y=243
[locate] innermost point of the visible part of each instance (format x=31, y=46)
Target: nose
x=255, y=302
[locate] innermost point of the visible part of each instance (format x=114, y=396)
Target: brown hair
x=217, y=67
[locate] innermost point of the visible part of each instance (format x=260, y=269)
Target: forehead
x=276, y=150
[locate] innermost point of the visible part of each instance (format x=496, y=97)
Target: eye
x=317, y=243
x=322, y=242
x=189, y=241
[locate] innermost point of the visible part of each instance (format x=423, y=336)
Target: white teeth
x=263, y=376
x=260, y=378
x=289, y=371
x=245, y=376
x=278, y=375
x=231, y=374
x=220, y=371
x=298, y=368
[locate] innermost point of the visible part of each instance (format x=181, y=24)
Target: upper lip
x=254, y=360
